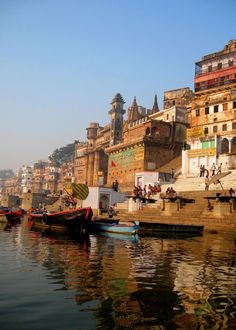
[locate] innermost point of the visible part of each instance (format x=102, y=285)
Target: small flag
x=113, y=163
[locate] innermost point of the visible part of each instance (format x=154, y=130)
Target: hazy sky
x=62, y=62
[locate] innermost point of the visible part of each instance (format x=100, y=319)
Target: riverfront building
x=145, y=141
x=211, y=137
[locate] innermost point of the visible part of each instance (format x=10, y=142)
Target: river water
x=116, y=282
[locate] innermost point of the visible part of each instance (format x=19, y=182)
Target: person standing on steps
x=219, y=168
x=213, y=168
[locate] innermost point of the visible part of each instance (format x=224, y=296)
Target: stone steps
x=196, y=183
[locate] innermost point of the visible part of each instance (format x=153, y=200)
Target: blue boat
x=118, y=228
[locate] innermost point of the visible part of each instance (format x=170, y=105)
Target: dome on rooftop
x=118, y=98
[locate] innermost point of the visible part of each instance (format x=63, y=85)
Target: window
x=214, y=129
x=224, y=127
x=197, y=112
x=209, y=68
x=216, y=108
x=234, y=126
x=219, y=66
x=225, y=106
x=230, y=62
x=206, y=130
x=207, y=111
x=234, y=104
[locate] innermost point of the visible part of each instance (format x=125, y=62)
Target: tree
x=62, y=154
x=6, y=174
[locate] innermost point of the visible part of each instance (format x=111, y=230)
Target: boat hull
x=75, y=220
x=169, y=228
x=12, y=215
x=114, y=228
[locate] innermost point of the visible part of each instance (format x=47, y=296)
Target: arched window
x=148, y=131
x=233, y=146
x=225, y=146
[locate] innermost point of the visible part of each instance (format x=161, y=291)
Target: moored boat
x=73, y=219
x=118, y=228
x=158, y=227
x=11, y=215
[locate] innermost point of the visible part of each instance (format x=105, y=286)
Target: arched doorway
x=233, y=144
x=224, y=146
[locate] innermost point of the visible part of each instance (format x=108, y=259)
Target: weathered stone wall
x=10, y=200
x=124, y=164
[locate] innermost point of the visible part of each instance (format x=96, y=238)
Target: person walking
x=213, y=168
x=219, y=168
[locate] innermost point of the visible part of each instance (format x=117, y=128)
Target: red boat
x=11, y=215
x=72, y=219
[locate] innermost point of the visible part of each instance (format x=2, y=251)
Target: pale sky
x=62, y=62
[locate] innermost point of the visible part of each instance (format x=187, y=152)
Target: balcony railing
x=199, y=70
x=214, y=85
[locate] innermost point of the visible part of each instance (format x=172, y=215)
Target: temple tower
x=116, y=114
x=155, y=107
x=133, y=112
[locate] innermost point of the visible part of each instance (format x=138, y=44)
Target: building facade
x=146, y=140
x=212, y=115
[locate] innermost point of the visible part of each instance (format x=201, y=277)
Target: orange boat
x=12, y=215
x=72, y=219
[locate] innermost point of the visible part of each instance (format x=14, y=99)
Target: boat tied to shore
x=11, y=214
x=114, y=227
x=72, y=219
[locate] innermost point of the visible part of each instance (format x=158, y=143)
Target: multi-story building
x=26, y=173
x=145, y=141
x=51, y=177
x=66, y=175
x=212, y=115
x=38, y=180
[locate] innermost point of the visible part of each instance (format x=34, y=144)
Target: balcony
x=207, y=86
x=200, y=71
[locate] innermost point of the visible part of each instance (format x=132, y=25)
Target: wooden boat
x=11, y=215
x=106, y=220
x=169, y=228
x=115, y=227
x=72, y=219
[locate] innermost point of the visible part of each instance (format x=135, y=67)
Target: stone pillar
x=230, y=145
x=185, y=168
x=90, y=169
x=171, y=208
x=132, y=206
x=96, y=168
x=221, y=209
x=27, y=201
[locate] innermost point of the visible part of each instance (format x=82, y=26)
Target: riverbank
x=220, y=216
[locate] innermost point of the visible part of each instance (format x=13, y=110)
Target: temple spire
x=133, y=112
x=155, y=107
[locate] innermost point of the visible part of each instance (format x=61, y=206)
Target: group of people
x=147, y=191
x=170, y=192
x=214, y=170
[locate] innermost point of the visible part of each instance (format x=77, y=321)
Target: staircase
x=196, y=183
x=191, y=213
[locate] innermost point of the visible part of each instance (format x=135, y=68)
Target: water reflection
x=140, y=282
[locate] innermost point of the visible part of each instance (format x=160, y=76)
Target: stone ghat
x=222, y=216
